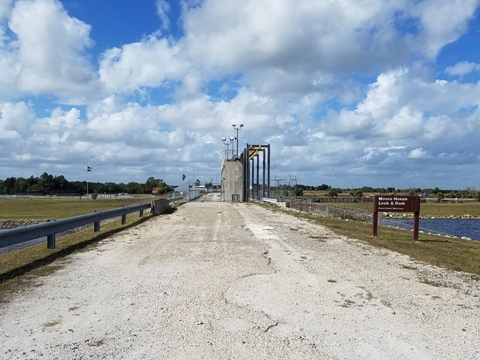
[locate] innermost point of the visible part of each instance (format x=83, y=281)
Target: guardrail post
x=51, y=241
x=124, y=219
x=96, y=226
x=141, y=213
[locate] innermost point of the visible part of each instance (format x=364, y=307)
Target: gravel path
x=235, y=281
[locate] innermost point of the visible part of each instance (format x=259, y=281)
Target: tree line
x=329, y=191
x=47, y=184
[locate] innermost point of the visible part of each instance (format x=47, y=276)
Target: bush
x=298, y=192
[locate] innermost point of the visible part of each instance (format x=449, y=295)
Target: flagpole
x=88, y=170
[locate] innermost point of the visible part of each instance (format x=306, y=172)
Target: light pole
x=230, y=141
x=237, y=128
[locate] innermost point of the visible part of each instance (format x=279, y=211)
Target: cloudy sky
x=349, y=93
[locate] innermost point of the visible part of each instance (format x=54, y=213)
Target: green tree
x=332, y=193
x=21, y=184
x=113, y=188
x=134, y=188
x=152, y=183
x=197, y=182
x=8, y=185
x=46, y=182
x=60, y=183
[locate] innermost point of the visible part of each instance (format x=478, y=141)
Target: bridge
x=218, y=280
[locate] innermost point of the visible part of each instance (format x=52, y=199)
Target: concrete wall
x=160, y=206
x=232, y=180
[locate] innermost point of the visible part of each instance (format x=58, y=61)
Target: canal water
x=451, y=227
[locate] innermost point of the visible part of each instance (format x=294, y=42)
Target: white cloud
x=331, y=85
x=418, y=153
x=280, y=33
x=5, y=8
x=15, y=122
x=442, y=22
x=144, y=64
x=50, y=50
x=9, y=71
x=163, y=8
x=462, y=68
x=405, y=124
x=399, y=111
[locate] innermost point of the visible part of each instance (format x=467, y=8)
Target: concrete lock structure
x=232, y=180
x=240, y=175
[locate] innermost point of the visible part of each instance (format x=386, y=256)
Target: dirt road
x=235, y=281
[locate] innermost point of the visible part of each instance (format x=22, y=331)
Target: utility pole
x=278, y=185
x=291, y=178
x=294, y=190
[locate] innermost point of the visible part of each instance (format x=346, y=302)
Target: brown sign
x=397, y=203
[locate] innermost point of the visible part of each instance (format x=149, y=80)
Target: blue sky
x=353, y=93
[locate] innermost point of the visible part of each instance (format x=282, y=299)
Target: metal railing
x=330, y=210
x=50, y=229
x=269, y=200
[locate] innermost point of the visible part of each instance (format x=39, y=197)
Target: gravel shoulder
x=235, y=281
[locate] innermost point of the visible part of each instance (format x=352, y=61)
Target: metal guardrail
x=51, y=228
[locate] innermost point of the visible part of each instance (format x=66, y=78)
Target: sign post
x=396, y=203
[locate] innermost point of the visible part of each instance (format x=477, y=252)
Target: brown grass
x=60, y=208
x=450, y=253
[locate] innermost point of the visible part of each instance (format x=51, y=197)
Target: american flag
x=89, y=169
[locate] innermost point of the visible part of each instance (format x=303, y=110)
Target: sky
x=348, y=93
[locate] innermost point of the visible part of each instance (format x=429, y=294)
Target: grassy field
x=450, y=253
x=32, y=208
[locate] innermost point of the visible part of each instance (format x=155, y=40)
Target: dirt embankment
x=13, y=223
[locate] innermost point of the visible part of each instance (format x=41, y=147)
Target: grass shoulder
x=449, y=253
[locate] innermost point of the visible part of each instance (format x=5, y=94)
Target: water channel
x=469, y=228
